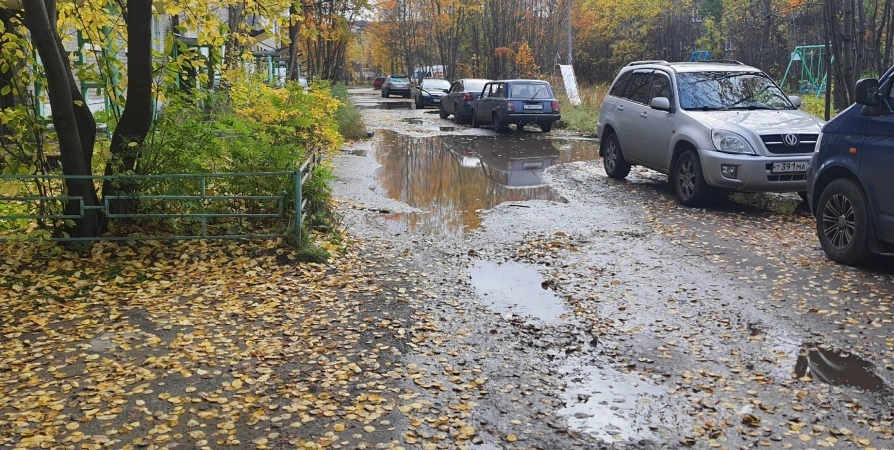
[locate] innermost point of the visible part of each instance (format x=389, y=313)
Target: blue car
x=518, y=102
x=851, y=176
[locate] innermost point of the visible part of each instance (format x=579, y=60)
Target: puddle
x=445, y=129
x=355, y=152
x=615, y=406
x=451, y=178
x=388, y=106
x=838, y=369
x=516, y=288
x=412, y=121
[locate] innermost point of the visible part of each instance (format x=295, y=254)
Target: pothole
x=455, y=177
x=616, y=406
x=838, y=368
x=514, y=288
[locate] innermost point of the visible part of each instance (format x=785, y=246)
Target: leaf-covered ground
x=206, y=345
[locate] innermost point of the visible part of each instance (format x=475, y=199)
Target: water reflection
x=838, y=369
x=452, y=178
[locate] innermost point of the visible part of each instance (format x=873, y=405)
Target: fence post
x=298, y=177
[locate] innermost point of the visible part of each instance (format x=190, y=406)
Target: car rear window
x=620, y=85
x=475, y=86
x=533, y=91
x=436, y=84
x=400, y=79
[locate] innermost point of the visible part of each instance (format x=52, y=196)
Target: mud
x=674, y=327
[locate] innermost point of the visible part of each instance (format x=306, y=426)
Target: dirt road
x=598, y=313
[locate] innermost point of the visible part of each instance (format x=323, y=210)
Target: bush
x=350, y=121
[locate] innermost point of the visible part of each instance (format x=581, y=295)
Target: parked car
x=378, y=82
x=458, y=101
x=850, y=176
x=430, y=92
x=396, y=85
x=518, y=102
x=711, y=126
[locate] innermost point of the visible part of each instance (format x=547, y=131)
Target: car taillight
x=555, y=106
x=510, y=106
x=467, y=97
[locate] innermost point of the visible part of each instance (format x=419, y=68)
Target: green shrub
x=350, y=121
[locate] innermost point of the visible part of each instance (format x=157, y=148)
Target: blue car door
x=877, y=169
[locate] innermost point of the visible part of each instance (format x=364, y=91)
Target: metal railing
x=213, y=211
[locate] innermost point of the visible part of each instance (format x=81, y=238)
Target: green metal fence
x=220, y=206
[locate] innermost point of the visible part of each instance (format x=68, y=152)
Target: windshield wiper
x=537, y=92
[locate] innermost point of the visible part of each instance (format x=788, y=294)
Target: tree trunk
x=136, y=119
x=58, y=74
x=294, y=28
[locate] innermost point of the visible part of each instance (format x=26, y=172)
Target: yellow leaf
x=511, y=438
x=339, y=427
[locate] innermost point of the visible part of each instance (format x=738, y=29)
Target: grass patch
x=812, y=104
x=350, y=121
x=582, y=118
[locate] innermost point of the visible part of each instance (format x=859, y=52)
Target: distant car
x=711, y=126
x=458, y=101
x=430, y=92
x=850, y=176
x=518, y=102
x=396, y=85
x=378, y=82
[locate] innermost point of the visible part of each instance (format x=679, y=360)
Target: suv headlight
x=729, y=142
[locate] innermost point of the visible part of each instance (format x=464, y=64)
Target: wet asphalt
x=605, y=315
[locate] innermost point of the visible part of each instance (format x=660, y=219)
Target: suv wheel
x=613, y=160
x=441, y=113
x=689, y=182
x=842, y=222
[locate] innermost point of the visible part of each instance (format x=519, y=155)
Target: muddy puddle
x=388, y=106
x=514, y=288
x=838, y=368
x=616, y=406
x=452, y=178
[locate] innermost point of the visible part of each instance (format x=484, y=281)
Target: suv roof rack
x=723, y=61
x=649, y=61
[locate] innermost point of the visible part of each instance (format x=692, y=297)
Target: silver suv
x=710, y=126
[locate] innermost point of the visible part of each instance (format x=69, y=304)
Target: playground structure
x=700, y=55
x=813, y=74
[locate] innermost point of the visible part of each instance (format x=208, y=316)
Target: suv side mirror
x=796, y=100
x=661, y=104
x=867, y=92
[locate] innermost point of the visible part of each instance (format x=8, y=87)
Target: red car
x=377, y=83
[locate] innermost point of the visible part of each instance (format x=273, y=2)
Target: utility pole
x=570, y=59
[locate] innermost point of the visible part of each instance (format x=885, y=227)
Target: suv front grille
x=775, y=144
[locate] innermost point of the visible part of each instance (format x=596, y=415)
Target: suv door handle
x=620, y=108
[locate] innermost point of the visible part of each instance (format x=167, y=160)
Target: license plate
x=789, y=167
x=533, y=106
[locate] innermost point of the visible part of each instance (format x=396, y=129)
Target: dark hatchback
x=517, y=102
x=851, y=176
x=430, y=92
x=378, y=82
x=458, y=101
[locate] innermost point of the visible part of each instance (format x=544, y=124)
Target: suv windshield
x=711, y=91
x=533, y=91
